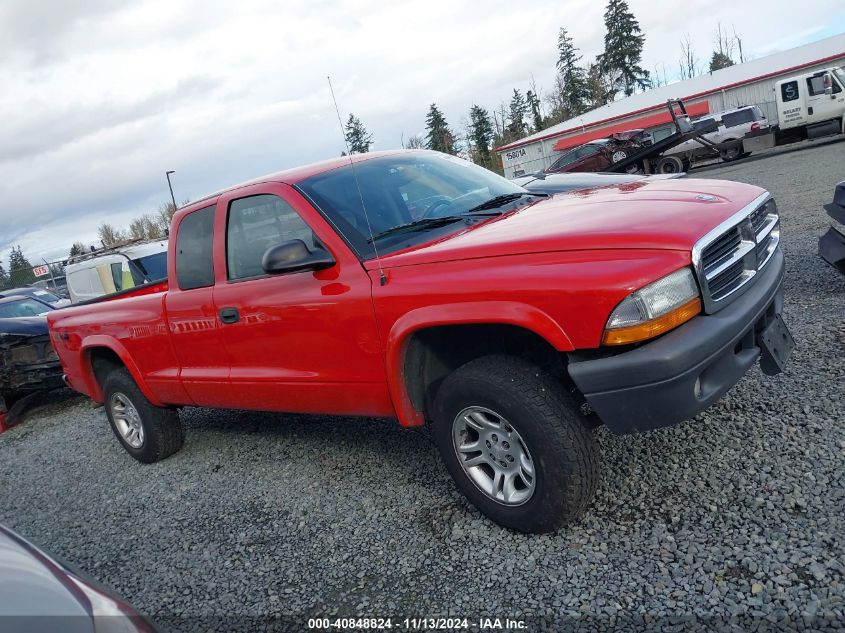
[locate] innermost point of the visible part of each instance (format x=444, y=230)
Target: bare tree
x=688, y=63
x=725, y=43
x=660, y=77
x=137, y=231
x=109, y=235
x=414, y=142
x=738, y=41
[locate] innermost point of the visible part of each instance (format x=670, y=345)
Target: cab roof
x=297, y=174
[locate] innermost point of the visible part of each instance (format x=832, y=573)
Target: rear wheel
x=731, y=153
x=147, y=432
x=670, y=165
x=514, y=443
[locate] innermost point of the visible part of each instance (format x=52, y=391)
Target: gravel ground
x=735, y=519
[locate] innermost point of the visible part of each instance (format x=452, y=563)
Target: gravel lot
x=735, y=519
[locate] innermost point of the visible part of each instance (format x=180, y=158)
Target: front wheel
x=514, y=443
x=147, y=432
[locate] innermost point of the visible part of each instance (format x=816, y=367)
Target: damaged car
x=832, y=243
x=28, y=362
x=600, y=154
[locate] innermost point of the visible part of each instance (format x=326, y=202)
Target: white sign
x=40, y=271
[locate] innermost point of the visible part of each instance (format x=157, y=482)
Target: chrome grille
x=730, y=255
x=721, y=248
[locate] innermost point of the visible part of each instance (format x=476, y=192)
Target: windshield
x=840, y=73
x=23, y=308
x=153, y=267
x=398, y=190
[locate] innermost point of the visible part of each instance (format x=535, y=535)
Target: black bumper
x=685, y=371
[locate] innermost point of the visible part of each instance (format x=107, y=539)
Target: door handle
x=230, y=315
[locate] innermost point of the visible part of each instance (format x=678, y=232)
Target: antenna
x=382, y=276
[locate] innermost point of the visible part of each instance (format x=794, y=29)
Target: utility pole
x=172, y=197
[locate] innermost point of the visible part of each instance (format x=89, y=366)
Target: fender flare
x=114, y=345
x=513, y=313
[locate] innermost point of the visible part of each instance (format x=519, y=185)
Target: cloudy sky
x=100, y=97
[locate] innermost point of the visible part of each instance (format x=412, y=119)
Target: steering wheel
x=430, y=210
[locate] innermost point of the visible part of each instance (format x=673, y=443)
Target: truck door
x=194, y=328
x=820, y=105
x=303, y=341
x=792, y=109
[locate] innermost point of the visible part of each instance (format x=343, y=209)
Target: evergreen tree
x=357, y=137
x=518, y=109
x=481, y=135
x=77, y=249
x=623, y=48
x=438, y=137
x=5, y=282
x=572, y=86
x=719, y=61
x=20, y=270
x=534, y=106
x=600, y=89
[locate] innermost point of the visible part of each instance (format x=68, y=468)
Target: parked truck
x=418, y=286
x=809, y=106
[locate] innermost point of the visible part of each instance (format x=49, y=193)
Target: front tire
x=514, y=443
x=147, y=432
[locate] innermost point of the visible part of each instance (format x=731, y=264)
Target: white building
x=751, y=83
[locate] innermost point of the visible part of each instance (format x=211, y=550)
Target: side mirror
x=292, y=256
x=828, y=84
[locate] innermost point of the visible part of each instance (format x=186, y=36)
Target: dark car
x=600, y=154
x=36, y=293
x=550, y=184
x=41, y=594
x=28, y=362
x=832, y=243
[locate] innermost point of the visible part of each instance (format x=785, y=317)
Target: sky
x=100, y=98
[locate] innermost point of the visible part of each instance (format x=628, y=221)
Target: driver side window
x=255, y=224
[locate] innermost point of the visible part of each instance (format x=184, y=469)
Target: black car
x=28, y=362
x=36, y=293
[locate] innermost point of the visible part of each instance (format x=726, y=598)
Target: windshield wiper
x=498, y=201
x=422, y=223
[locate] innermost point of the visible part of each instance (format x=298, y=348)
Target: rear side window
x=194, y=250
x=732, y=119
x=255, y=224
x=789, y=91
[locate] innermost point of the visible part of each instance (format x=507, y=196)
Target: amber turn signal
x=655, y=327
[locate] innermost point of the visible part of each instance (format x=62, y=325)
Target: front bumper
x=683, y=372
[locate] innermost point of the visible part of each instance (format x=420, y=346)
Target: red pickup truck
x=416, y=285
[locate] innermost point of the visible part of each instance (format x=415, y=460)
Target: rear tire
x=531, y=428
x=670, y=165
x=147, y=432
x=731, y=153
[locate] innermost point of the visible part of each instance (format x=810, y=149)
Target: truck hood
x=648, y=214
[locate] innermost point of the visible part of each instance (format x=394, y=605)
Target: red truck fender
x=114, y=345
x=467, y=313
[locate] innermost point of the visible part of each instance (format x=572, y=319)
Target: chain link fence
x=48, y=276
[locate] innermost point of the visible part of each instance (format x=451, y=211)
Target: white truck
x=809, y=106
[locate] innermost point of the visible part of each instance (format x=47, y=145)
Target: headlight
x=654, y=309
